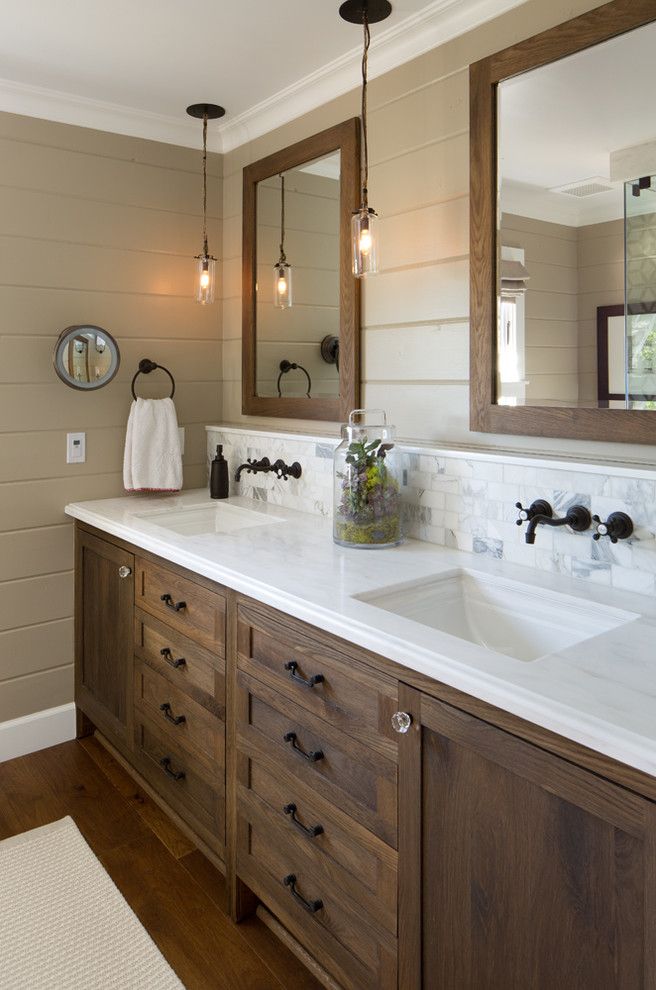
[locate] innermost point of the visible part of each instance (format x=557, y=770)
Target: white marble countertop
x=600, y=693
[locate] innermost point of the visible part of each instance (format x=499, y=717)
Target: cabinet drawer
x=336, y=934
x=181, y=603
x=195, y=794
x=353, y=777
x=189, y=667
x=347, y=694
x=181, y=718
x=337, y=850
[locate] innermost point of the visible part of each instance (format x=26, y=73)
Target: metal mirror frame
x=345, y=138
x=617, y=425
x=69, y=334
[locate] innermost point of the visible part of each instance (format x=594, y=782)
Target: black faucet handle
x=537, y=508
x=618, y=526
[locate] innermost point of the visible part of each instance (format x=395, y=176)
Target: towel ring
x=145, y=368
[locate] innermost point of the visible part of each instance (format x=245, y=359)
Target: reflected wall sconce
x=364, y=235
x=205, y=262
x=330, y=350
x=282, y=270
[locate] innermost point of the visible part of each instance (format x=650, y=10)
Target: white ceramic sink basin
x=507, y=617
x=204, y=520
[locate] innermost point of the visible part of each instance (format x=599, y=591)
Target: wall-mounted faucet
x=578, y=518
x=264, y=466
x=618, y=526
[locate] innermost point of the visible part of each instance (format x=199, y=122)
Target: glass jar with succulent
x=367, y=493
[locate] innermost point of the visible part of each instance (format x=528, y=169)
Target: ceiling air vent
x=586, y=187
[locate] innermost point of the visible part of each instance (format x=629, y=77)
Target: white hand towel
x=152, y=461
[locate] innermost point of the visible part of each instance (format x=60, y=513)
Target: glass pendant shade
x=364, y=239
x=205, y=278
x=282, y=285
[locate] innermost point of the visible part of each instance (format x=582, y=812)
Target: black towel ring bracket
x=145, y=368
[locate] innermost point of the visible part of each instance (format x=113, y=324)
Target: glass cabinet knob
x=401, y=721
x=124, y=571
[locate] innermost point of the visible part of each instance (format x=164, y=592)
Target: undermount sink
x=205, y=520
x=517, y=620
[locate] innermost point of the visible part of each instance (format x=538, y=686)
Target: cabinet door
x=517, y=869
x=104, y=635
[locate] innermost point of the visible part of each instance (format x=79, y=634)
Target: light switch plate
x=76, y=448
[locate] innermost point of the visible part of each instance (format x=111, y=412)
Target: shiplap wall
x=312, y=250
x=551, y=308
x=415, y=332
x=601, y=283
x=94, y=228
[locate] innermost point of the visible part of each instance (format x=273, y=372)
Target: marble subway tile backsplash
x=467, y=500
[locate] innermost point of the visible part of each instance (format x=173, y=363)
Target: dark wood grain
x=344, y=137
x=103, y=637
x=350, y=697
x=203, y=616
x=178, y=898
x=535, y=873
x=486, y=416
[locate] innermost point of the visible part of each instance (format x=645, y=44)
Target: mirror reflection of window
x=309, y=218
x=576, y=157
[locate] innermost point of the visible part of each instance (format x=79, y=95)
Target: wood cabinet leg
x=242, y=902
x=84, y=726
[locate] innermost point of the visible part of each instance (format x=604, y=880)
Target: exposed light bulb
x=205, y=278
x=365, y=242
x=282, y=285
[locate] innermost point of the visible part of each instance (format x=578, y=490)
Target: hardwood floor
x=179, y=897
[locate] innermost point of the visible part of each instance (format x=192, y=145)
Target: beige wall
x=601, y=283
x=551, y=314
x=93, y=228
x=415, y=313
x=312, y=250
x=573, y=270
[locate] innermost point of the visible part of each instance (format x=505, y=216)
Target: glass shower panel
x=640, y=293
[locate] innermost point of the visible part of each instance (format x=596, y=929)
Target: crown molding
x=439, y=22
x=81, y=111
x=436, y=24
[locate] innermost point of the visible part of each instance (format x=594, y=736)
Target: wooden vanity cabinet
x=104, y=592
x=518, y=870
x=474, y=851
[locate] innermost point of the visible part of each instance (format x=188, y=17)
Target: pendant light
x=205, y=262
x=282, y=270
x=364, y=239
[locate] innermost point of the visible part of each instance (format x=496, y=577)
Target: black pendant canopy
x=376, y=10
x=209, y=110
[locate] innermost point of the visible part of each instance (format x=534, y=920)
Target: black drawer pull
x=311, y=831
x=310, y=906
x=165, y=763
x=169, y=716
x=312, y=757
x=292, y=667
x=168, y=601
x=166, y=653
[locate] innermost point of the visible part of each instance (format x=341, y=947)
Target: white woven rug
x=63, y=923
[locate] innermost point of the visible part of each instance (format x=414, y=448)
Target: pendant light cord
x=283, y=256
x=205, y=248
x=365, y=141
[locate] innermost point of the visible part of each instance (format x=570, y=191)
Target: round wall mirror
x=86, y=357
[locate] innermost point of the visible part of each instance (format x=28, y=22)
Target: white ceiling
x=133, y=67
x=560, y=123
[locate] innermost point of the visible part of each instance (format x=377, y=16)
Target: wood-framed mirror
x=562, y=225
x=301, y=321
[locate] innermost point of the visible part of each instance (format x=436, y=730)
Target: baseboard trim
x=30, y=733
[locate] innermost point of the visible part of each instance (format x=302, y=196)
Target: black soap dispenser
x=219, y=482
